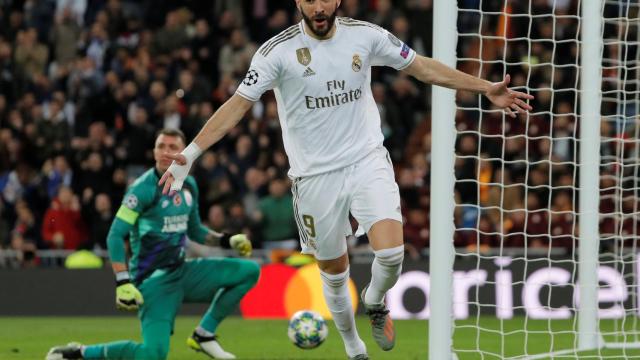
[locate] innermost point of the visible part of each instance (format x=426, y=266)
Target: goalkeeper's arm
x=128, y=297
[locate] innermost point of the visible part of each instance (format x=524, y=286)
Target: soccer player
x=320, y=71
x=159, y=278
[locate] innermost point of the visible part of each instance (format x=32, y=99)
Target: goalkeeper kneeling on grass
x=159, y=279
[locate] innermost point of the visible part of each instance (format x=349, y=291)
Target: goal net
x=522, y=185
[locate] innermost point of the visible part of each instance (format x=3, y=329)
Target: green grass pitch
x=30, y=338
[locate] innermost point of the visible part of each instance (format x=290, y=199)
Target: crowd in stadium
x=85, y=85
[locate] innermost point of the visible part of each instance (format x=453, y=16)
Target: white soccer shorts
x=322, y=203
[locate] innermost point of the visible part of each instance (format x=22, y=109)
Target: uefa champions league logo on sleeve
x=251, y=78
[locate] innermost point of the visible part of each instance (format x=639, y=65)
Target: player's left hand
x=242, y=244
x=510, y=100
x=128, y=297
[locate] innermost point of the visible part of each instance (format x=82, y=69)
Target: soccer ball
x=307, y=329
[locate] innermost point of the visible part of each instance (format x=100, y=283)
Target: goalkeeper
x=159, y=279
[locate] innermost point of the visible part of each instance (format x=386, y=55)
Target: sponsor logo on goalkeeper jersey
x=176, y=223
x=338, y=94
x=283, y=290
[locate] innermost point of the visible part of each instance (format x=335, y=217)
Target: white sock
x=336, y=294
x=385, y=271
x=203, y=332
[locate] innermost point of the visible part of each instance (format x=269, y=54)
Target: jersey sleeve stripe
x=354, y=22
x=276, y=38
x=127, y=215
x=289, y=37
x=246, y=96
x=409, y=62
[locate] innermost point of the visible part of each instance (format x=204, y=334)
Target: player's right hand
x=128, y=297
x=174, y=177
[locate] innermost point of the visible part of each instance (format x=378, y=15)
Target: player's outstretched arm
x=434, y=72
x=223, y=120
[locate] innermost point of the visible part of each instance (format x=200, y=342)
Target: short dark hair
x=172, y=132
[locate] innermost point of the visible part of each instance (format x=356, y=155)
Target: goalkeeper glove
x=241, y=244
x=128, y=297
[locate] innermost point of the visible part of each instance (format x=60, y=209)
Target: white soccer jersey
x=327, y=113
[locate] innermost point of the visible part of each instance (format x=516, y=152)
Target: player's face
x=166, y=144
x=319, y=15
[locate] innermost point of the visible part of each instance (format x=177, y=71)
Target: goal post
x=589, y=189
x=442, y=182
x=543, y=210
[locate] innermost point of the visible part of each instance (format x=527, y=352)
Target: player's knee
x=156, y=351
x=390, y=257
x=334, y=280
x=252, y=272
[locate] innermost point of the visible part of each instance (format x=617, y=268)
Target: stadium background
x=85, y=84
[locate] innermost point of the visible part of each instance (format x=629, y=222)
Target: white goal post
x=566, y=275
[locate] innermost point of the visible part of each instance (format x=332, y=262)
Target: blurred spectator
x=53, y=133
x=416, y=231
x=205, y=50
x=25, y=252
x=57, y=173
x=238, y=221
x=93, y=176
x=30, y=55
x=136, y=142
x=65, y=37
x=275, y=216
x=26, y=226
x=216, y=218
x=171, y=37
x=537, y=223
x=255, y=180
x=242, y=159
x=97, y=45
x=20, y=183
x=99, y=217
x=63, y=226
x=4, y=227
x=235, y=57
x=563, y=227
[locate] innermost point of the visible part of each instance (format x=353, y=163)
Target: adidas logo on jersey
x=308, y=72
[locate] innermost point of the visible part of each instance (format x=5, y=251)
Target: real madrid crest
x=304, y=56
x=356, y=64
